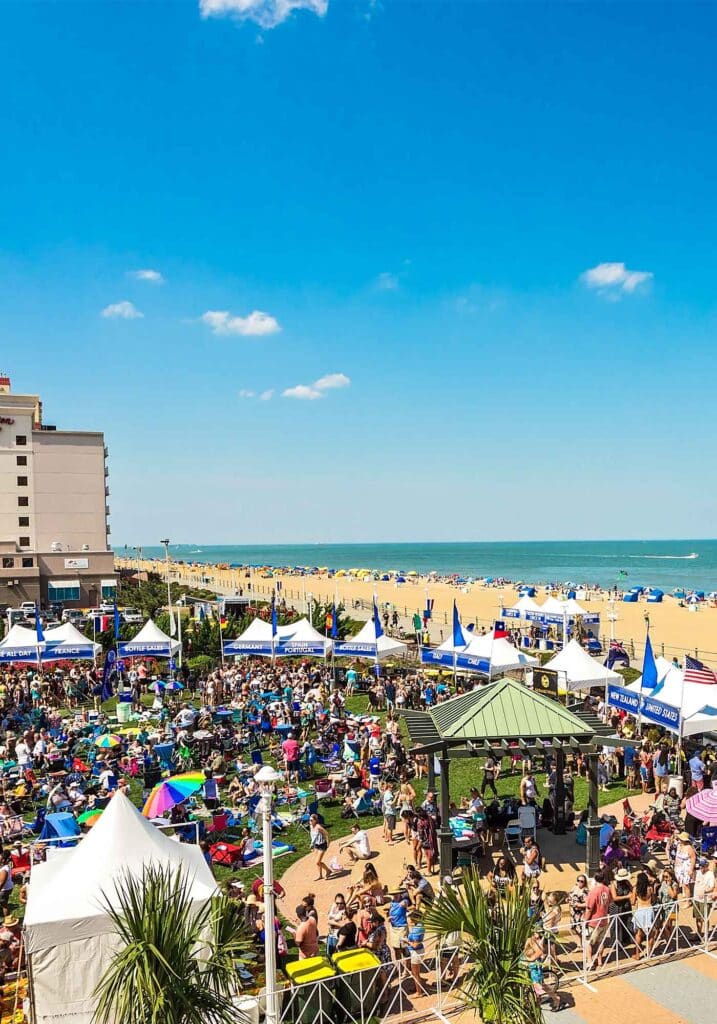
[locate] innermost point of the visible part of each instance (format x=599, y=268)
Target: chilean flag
x=499, y=631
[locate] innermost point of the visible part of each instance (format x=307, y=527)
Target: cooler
x=359, y=984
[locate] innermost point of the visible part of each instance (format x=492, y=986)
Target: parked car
x=73, y=615
x=131, y=615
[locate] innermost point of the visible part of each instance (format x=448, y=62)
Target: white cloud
x=614, y=279
x=266, y=396
x=303, y=392
x=310, y=392
x=386, y=282
x=246, y=394
x=332, y=380
x=256, y=325
x=266, y=13
x=153, y=276
x=122, y=311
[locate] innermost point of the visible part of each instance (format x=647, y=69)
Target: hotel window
x=23, y=520
x=28, y=563
x=109, y=589
x=21, y=460
x=24, y=542
x=22, y=481
x=23, y=501
x=21, y=440
x=8, y=563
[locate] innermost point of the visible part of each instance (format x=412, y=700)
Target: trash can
x=124, y=712
x=678, y=782
x=309, y=1002
x=359, y=983
x=248, y=1007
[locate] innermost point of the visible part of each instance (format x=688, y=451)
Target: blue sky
x=419, y=271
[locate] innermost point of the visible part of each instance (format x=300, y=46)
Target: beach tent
x=696, y=701
x=295, y=639
x=552, y=607
x=366, y=645
x=581, y=671
x=521, y=607
x=150, y=642
x=61, y=828
x=69, y=937
x=572, y=607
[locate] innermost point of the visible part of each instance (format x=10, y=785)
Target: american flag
x=697, y=672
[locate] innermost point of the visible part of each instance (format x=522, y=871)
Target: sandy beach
x=674, y=630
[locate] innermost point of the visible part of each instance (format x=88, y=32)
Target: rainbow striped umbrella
x=704, y=805
x=172, y=791
x=90, y=818
x=108, y=740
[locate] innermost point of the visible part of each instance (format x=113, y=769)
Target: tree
x=493, y=936
x=176, y=962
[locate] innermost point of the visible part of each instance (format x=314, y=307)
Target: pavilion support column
x=559, y=808
x=445, y=836
x=431, y=772
x=593, y=823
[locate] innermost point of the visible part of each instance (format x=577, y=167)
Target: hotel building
x=54, y=543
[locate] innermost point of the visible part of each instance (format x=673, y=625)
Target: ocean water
x=661, y=563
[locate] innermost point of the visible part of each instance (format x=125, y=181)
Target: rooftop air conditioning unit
x=56, y=546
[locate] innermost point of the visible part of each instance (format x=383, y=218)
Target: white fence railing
x=574, y=953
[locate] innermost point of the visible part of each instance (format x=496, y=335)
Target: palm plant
x=493, y=935
x=176, y=962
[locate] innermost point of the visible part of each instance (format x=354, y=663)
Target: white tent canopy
x=149, y=642
x=552, y=607
x=366, y=645
x=696, y=701
x=501, y=654
x=526, y=604
x=69, y=936
x=572, y=607
x=297, y=638
x=582, y=671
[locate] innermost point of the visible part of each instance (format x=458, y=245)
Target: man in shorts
x=596, y=919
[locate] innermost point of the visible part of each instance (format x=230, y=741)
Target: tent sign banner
x=295, y=648
x=510, y=613
x=550, y=619
x=545, y=680
x=18, y=654
x=129, y=649
x=653, y=710
x=246, y=647
x=624, y=700
x=466, y=662
x=67, y=652
x=355, y=650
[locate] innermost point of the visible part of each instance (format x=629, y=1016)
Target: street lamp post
x=267, y=777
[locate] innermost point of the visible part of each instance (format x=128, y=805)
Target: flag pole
x=678, y=768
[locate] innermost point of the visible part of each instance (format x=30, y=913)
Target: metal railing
x=575, y=953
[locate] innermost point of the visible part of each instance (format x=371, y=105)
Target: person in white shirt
x=703, y=893
x=22, y=754
x=357, y=845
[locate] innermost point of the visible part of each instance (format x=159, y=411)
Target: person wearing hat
x=621, y=891
x=685, y=862
x=703, y=894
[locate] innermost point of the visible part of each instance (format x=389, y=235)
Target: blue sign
x=232, y=647
x=297, y=648
x=351, y=649
x=132, y=649
x=65, y=652
x=663, y=714
x=19, y=654
x=635, y=703
x=625, y=700
x=510, y=613
x=465, y=662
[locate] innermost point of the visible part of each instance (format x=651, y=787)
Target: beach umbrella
x=108, y=740
x=90, y=818
x=129, y=730
x=158, y=687
x=174, y=684
x=703, y=805
x=174, y=790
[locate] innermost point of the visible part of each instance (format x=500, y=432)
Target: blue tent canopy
x=61, y=826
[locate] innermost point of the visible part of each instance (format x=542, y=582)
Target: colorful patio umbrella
x=108, y=740
x=172, y=791
x=90, y=818
x=704, y=806
x=174, y=684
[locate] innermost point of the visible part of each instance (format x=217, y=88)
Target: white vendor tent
x=69, y=938
x=552, y=607
x=525, y=604
x=366, y=645
x=501, y=654
x=697, y=701
x=581, y=671
x=572, y=607
x=150, y=642
x=293, y=639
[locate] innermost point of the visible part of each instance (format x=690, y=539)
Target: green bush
x=200, y=663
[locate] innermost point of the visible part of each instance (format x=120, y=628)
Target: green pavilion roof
x=505, y=710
